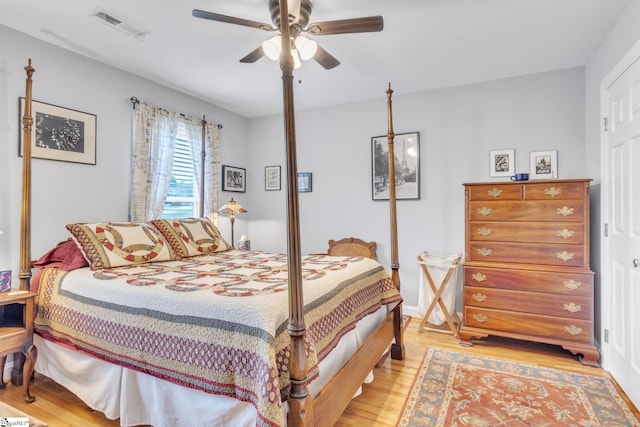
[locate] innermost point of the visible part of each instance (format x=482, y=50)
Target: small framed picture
x=272, y=178
x=5, y=280
x=502, y=163
x=234, y=179
x=304, y=182
x=544, y=165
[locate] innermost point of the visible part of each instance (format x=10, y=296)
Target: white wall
x=69, y=192
x=458, y=127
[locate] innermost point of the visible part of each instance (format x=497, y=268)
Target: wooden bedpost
x=300, y=405
x=397, y=348
x=25, y=219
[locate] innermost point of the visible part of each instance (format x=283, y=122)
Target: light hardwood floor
x=380, y=404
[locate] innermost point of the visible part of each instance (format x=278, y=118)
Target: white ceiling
x=425, y=44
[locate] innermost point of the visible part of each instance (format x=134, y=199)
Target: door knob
x=636, y=262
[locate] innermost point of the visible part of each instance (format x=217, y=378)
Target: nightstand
x=16, y=336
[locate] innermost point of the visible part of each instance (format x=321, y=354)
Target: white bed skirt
x=137, y=398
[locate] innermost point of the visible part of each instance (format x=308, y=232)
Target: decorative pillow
x=191, y=236
x=114, y=244
x=65, y=256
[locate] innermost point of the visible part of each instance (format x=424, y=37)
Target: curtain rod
x=134, y=100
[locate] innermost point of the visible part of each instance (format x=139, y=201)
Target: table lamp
x=231, y=208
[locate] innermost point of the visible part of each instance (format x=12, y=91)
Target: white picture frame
x=543, y=165
x=502, y=163
x=272, y=178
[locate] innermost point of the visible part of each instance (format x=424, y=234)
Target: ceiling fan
x=302, y=47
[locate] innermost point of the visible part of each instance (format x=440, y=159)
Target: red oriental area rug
x=458, y=389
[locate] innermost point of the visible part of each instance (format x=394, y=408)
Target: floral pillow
x=114, y=244
x=191, y=236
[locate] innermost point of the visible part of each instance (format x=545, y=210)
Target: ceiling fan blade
x=325, y=59
x=253, y=56
x=231, y=20
x=344, y=26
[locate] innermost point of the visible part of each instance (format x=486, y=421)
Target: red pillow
x=65, y=256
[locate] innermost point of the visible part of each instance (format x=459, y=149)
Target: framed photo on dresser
x=502, y=163
x=544, y=165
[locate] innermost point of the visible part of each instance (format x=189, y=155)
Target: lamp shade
x=306, y=47
x=231, y=208
x=272, y=48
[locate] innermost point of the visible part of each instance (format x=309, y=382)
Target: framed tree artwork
x=406, y=149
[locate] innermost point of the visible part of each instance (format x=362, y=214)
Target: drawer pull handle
x=494, y=192
x=479, y=297
x=571, y=284
x=564, y=255
x=573, y=330
x=553, y=191
x=565, y=234
x=479, y=317
x=564, y=211
x=484, y=251
x=484, y=211
x=573, y=307
x=484, y=231
x=479, y=277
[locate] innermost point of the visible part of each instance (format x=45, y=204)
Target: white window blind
x=182, y=200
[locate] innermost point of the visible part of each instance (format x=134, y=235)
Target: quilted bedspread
x=216, y=323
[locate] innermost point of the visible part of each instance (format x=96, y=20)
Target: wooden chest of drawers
x=526, y=272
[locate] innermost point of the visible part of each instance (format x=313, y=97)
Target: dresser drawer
x=495, y=192
x=543, y=232
x=564, y=282
x=532, y=210
x=570, y=306
x=543, y=326
x=527, y=253
x=556, y=190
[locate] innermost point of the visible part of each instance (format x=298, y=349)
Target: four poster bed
x=185, y=330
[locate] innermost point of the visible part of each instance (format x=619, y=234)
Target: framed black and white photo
x=304, y=182
x=60, y=133
x=272, y=178
x=543, y=165
x=234, y=179
x=502, y=163
x=406, y=147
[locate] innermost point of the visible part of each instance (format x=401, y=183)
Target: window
x=182, y=200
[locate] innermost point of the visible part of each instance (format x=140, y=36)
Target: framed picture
x=502, y=163
x=543, y=165
x=406, y=147
x=304, y=182
x=272, y=178
x=234, y=179
x=59, y=133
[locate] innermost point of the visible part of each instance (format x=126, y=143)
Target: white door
x=621, y=214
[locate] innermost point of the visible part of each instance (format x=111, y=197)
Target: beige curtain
x=153, y=149
x=212, y=162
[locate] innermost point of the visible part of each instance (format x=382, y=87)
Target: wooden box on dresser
x=526, y=272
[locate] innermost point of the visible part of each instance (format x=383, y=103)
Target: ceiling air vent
x=118, y=24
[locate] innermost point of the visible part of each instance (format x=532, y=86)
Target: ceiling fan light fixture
x=306, y=47
x=272, y=48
